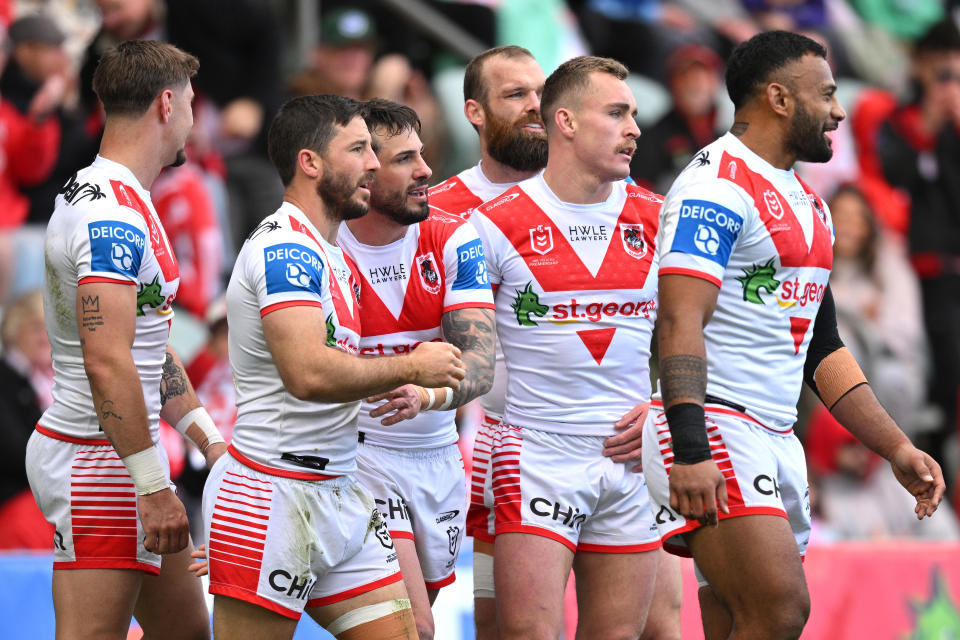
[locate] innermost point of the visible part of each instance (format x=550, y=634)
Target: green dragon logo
x=760, y=276
x=527, y=302
x=149, y=295
x=331, y=329
x=938, y=618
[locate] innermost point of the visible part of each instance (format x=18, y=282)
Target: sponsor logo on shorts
x=393, y=509
x=665, y=514
x=707, y=229
x=289, y=584
x=453, y=540
x=379, y=527
x=58, y=541
x=566, y=515
x=471, y=267
x=447, y=515
x=766, y=485
x=116, y=247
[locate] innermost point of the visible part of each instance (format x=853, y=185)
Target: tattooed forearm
x=91, y=313
x=174, y=380
x=739, y=128
x=683, y=378
x=472, y=331
x=107, y=412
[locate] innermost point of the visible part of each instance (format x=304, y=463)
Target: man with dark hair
x=94, y=462
x=570, y=254
x=422, y=278
x=746, y=317
x=288, y=527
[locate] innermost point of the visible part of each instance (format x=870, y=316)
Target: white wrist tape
x=366, y=614
x=147, y=471
x=431, y=399
x=448, y=401
x=204, y=422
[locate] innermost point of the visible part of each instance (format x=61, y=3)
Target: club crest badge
x=631, y=235
x=427, y=268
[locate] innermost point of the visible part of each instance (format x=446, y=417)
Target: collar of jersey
x=746, y=154
x=288, y=208
x=538, y=188
x=125, y=174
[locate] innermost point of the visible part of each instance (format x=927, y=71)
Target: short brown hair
x=394, y=118
x=573, y=76
x=131, y=75
x=473, y=86
x=307, y=122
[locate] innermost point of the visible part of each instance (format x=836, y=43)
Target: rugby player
x=746, y=317
x=95, y=465
x=288, y=527
x=560, y=248
x=421, y=279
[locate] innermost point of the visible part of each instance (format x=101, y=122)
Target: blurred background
x=893, y=186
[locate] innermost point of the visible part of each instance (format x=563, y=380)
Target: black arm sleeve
x=825, y=340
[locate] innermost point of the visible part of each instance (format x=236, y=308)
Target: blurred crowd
x=893, y=184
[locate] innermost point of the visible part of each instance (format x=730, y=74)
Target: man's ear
x=165, y=105
x=565, y=121
x=780, y=98
x=474, y=112
x=310, y=163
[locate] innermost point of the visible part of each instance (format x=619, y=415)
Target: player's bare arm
x=180, y=407
x=473, y=332
x=297, y=336
x=834, y=375
x=106, y=326
x=697, y=487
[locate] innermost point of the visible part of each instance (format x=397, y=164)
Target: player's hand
x=213, y=453
x=404, y=402
x=437, y=364
x=697, y=491
x=164, y=522
x=626, y=445
x=921, y=476
x=199, y=568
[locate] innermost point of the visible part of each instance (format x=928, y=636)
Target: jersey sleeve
x=465, y=265
x=109, y=245
x=699, y=226
x=485, y=230
x=287, y=273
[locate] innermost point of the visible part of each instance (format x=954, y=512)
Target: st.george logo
x=632, y=237
x=541, y=239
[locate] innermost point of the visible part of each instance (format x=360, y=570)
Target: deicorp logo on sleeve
x=292, y=267
x=471, y=267
x=116, y=247
x=706, y=229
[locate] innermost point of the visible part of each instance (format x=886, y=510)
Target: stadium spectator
x=919, y=148
x=693, y=77
x=110, y=279
x=746, y=317
x=26, y=379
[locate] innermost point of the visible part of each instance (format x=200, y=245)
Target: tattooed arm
x=106, y=322
x=697, y=487
x=177, y=399
x=473, y=331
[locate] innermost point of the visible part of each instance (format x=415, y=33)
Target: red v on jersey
x=778, y=217
x=128, y=197
x=597, y=341
x=798, y=329
x=556, y=265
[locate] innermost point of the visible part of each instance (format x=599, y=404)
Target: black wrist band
x=689, y=433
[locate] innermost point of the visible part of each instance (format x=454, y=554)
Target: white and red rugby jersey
x=460, y=195
x=406, y=287
x=104, y=228
x=766, y=239
x=576, y=302
x=285, y=263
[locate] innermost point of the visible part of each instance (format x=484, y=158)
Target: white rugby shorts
x=765, y=471
x=86, y=493
x=285, y=544
x=480, y=519
x=421, y=495
x=562, y=487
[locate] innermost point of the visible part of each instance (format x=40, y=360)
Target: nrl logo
x=541, y=239
x=429, y=277
x=632, y=237
x=774, y=208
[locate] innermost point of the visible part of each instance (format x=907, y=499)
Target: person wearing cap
x=32, y=86
x=693, y=73
x=342, y=60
